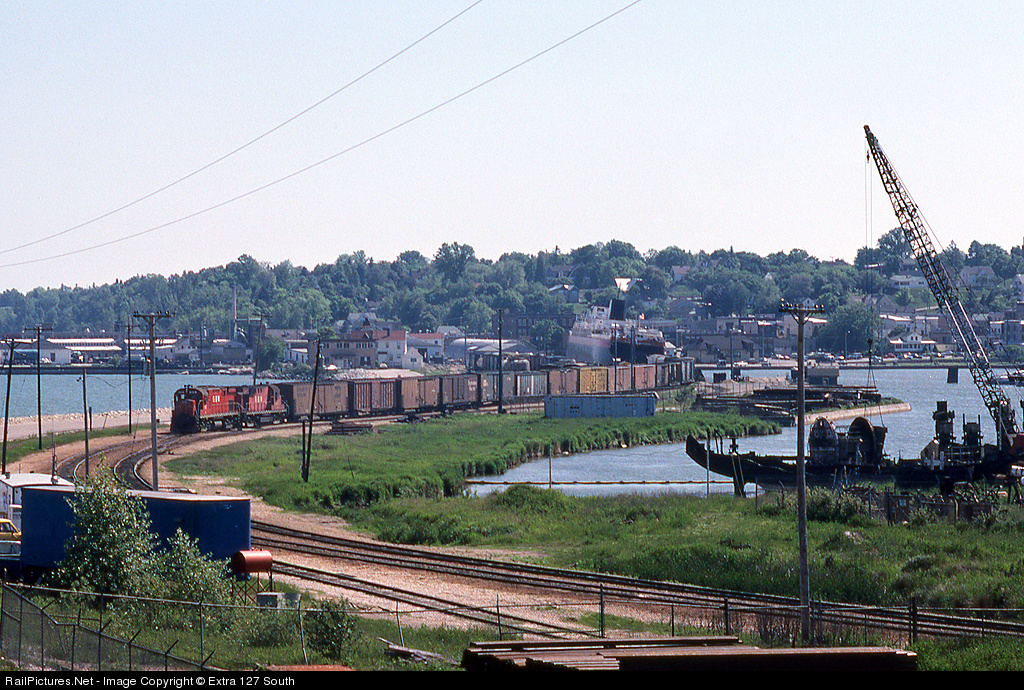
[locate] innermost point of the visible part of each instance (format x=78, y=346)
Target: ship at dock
x=604, y=336
x=856, y=454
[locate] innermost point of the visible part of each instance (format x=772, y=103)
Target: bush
x=831, y=506
x=523, y=498
x=112, y=549
x=330, y=630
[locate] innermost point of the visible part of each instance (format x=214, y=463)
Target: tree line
x=456, y=287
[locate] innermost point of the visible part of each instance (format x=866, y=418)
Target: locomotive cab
x=187, y=408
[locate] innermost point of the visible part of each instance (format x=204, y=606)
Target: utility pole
x=308, y=450
x=39, y=328
x=501, y=377
x=7, y=401
x=256, y=352
x=802, y=314
x=151, y=319
x=85, y=416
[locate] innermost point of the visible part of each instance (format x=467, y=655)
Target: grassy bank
x=728, y=543
x=433, y=459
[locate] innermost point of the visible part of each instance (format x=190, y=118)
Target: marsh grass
x=433, y=459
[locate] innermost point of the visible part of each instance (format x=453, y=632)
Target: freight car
x=204, y=407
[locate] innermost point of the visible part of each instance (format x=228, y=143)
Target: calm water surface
x=908, y=433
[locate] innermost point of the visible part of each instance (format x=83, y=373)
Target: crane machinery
x=947, y=294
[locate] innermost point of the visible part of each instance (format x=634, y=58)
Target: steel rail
x=430, y=603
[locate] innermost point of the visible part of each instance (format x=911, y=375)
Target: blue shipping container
x=220, y=525
x=574, y=406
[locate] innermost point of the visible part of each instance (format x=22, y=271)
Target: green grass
x=722, y=542
x=433, y=459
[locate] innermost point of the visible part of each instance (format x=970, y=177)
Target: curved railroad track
x=129, y=461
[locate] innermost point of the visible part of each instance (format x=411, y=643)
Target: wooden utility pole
x=39, y=328
x=802, y=314
x=85, y=417
x=501, y=377
x=308, y=450
x=151, y=319
x=7, y=401
x=256, y=350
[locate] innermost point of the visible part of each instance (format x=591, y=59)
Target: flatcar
x=207, y=407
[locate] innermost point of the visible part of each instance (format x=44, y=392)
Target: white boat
x=604, y=335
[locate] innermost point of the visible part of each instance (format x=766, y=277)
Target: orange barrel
x=245, y=562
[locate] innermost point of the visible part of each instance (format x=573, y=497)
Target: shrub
x=330, y=629
x=832, y=506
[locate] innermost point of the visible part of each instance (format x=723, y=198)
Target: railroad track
x=492, y=617
x=127, y=461
x=891, y=621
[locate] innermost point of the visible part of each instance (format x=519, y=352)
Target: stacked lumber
x=698, y=653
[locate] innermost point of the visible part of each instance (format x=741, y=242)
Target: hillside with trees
x=457, y=287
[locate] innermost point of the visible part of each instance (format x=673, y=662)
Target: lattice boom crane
x=947, y=294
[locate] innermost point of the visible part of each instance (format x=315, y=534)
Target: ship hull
x=781, y=471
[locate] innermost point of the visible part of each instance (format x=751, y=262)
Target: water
x=908, y=433
x=62, y=393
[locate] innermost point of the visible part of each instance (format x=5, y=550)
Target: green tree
x=849, y=327
x=113, y=548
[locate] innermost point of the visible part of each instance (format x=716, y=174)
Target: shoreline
x=20, y=428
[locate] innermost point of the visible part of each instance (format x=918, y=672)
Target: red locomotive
x=201, y=408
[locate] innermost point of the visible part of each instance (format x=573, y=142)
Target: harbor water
x=908, y=433
x=62, y=393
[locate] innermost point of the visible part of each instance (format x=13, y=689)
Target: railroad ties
x=698, y=653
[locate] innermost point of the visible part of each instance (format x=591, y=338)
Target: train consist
x=204, y=408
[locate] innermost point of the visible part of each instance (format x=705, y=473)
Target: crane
x=947, y=294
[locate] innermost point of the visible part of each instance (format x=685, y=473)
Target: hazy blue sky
x=701, y=125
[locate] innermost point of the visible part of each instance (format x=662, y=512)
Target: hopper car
x=204, y=408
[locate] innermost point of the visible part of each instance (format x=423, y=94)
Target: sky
x=700, y=125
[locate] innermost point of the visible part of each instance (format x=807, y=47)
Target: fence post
x=913, y=620
x=602, y=608
x=74, y=635
x=21, y=624
x=497, y=612
x=725, y=609
x=167, y=653
x=131, y=647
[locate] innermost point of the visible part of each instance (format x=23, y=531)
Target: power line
x=240, y=148
x=311, y=166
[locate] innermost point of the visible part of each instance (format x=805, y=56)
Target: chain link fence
x=33, y=639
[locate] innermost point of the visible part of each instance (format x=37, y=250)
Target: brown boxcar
x=645, y=376
x=563, y=381
x=373, y=396
x=459, y=390
x=594, y=380
x=419, y=393
x=331, y=399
